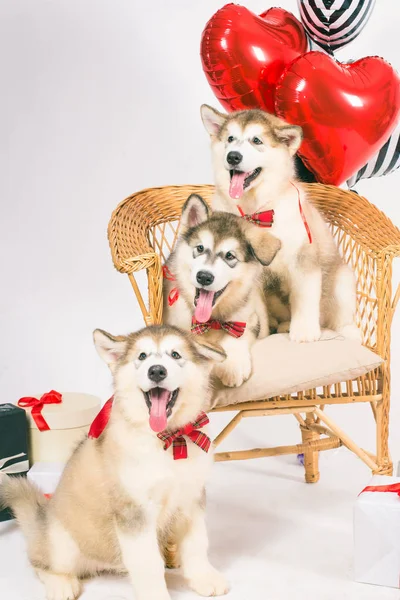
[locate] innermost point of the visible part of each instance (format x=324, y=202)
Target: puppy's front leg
x=142, y=559
x=200, y=574
x=305, y=300
x=236, y=368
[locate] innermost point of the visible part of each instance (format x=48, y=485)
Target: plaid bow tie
x=262, y=219
x=190, y=430
x=234, y=328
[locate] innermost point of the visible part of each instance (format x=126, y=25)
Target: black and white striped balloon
x=384, y=162
x=331, y=24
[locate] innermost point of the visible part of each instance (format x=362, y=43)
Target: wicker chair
x=142, y=231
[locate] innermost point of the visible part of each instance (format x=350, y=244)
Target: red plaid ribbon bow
x=52, y=397
x=234, y=328
x=190, y=430
x=262, y=219
x=266, y=218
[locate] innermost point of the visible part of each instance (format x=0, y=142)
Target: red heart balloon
x=347, y=111
x=244, y=55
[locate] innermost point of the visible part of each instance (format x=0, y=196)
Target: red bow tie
x=262, y=219
x=176, y=438
x=234, y=328
x=190, y=430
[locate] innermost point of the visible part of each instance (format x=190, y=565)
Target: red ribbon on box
x=52, y=397
x=394, y=488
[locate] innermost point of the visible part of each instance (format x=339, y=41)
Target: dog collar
x=234, y=328
x=175, y=438
x=266, y=217
x=262, y=219
x=174, y=293
x=303, y=216
x=191, y=430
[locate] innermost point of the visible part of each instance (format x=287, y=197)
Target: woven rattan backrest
x=163, y=236
x=142, y=232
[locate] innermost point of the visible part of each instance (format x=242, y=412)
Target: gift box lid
x=75, y=410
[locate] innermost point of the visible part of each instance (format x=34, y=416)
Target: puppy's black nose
x=205, y=277
x=234, y=158
x=157, y=373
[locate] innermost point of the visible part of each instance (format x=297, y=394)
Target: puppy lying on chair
x=212, y=284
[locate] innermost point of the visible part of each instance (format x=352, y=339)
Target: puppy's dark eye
x=142, y=356
x=230, y=139
x=257, y=141
x=176, y=355
x=200, y=249
x=229, y=256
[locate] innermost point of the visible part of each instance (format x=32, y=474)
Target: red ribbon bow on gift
x=262, y=219
x=234, y=328
x=52, y=397
x=394, y=488
x=190, y=430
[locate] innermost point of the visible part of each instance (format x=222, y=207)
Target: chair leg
x=311, y=457
x=382, y=437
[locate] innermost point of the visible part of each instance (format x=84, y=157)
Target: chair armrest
x=357, y=217
x=128, y=229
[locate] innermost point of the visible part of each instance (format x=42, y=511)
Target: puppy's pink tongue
x=158, y=411
x=236, y=187
x=204, y=306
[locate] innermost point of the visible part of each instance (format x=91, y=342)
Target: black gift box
x=13, y=445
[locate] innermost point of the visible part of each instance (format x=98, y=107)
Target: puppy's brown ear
x=213, y=352
x=212, y=119
x=291, y=136
x=263, y=244
x=194, y=212
x=109, y=347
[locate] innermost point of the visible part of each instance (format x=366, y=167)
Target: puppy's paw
x=350, y=332
x=60, y=587
x=283, y=327
x=233, y=373
x=209, y=583
x=302, y=331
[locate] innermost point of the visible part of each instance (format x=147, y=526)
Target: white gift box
x=69, y=423
x=46, y=475
x=377, y=534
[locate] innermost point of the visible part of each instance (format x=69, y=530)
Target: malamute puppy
x=307, y=283
x=213, y=283
x=122, y=495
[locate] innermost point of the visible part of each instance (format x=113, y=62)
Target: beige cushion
x=284, y=367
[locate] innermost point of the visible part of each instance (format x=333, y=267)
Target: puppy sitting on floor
x=308, y=285
x=140, y=483
x=212, y=284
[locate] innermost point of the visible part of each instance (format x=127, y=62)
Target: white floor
x=275, y=537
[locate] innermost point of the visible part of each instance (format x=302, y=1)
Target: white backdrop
x=100, y=99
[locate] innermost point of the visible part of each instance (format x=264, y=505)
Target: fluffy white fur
x=241, y=278
x=316, y=288
x=122, y=497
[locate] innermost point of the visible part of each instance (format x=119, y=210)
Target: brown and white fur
x=307, y=284
x=221, y=254
x=122, y=495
